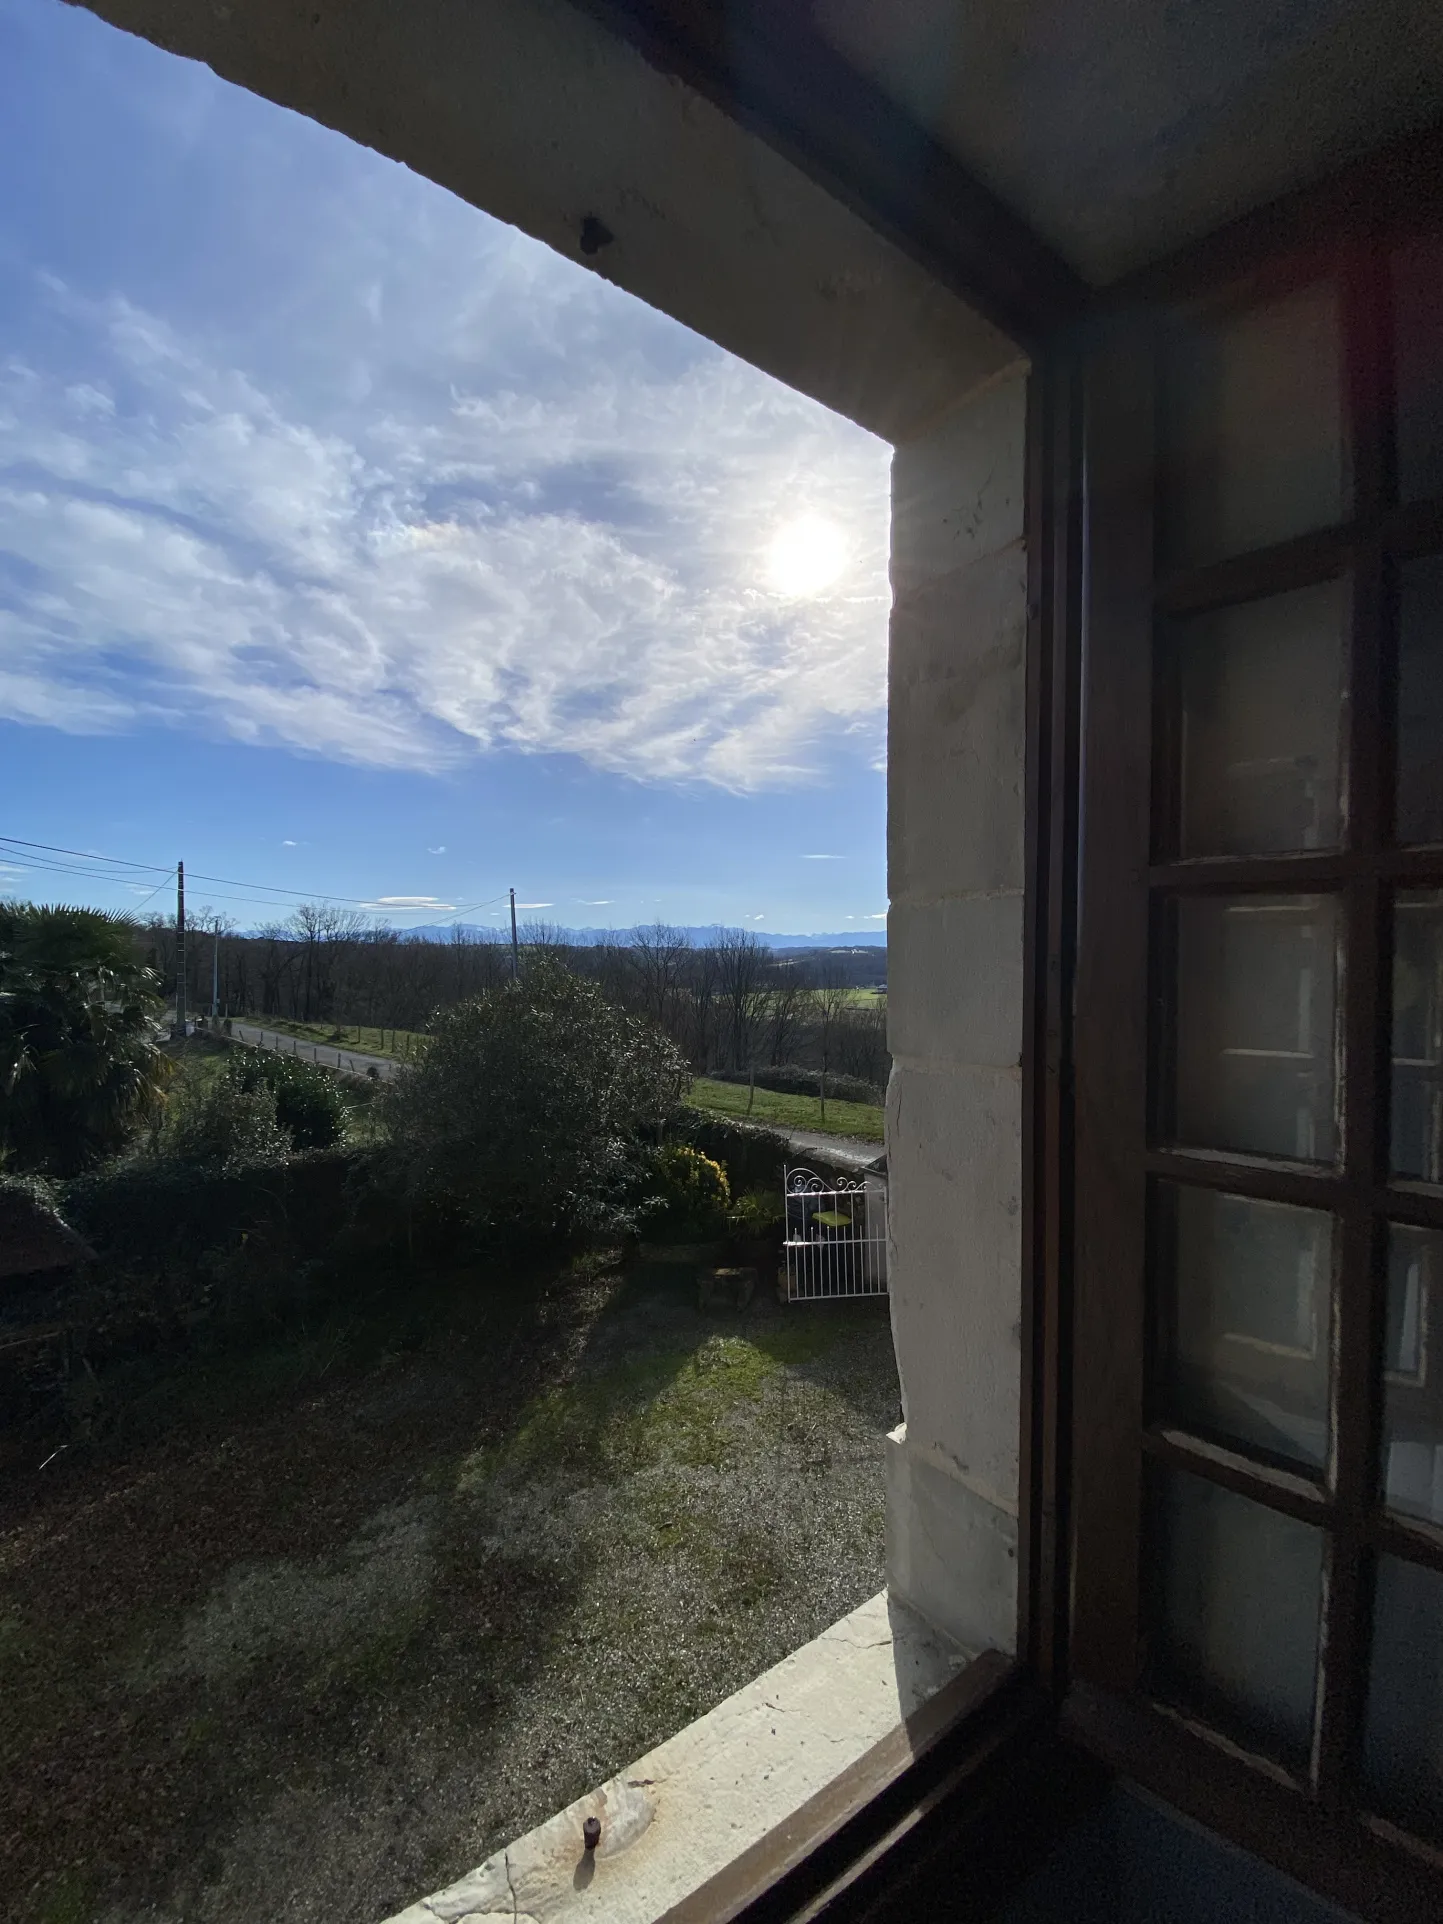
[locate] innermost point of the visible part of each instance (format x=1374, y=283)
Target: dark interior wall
x=1133, y=1861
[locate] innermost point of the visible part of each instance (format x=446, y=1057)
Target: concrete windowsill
x=687, y=1809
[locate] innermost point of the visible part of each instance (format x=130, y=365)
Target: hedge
x=753, y=1158
x=141, y=1212
x=788, y=1079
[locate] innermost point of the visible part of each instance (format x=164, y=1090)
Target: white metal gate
x=836, y=1235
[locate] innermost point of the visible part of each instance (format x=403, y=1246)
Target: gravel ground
x=326, y=1628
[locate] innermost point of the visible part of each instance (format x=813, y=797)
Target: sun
x=806, y=557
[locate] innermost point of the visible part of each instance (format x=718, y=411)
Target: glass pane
x=1420, y=700
x=1417, y=1138
x=1235, y=1635
x=1255, y=405
x=1412, y=1390
x=1403, y=1744
x=1260, y=689
x=1243, y=1317
x=1254, y=1013
x=1418, y=335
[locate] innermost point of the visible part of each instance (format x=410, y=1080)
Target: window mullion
x=1359, y=1274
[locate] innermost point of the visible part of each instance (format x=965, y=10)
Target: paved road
x=329, y=1055
x=850, y=1152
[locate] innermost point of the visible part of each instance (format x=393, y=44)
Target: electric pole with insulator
x=215, y=975
x=515, y=945
x=180, y=948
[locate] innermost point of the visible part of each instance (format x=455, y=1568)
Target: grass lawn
x=862, y=1119
x=311, y=1630
x=862, y=998
x=403, y=1044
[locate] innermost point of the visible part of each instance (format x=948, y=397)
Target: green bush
x=137, y=1213
x=309, y=1104
x=753, y=1157
x=81, y=1071
x=757, y=1213
x=223, y=1124
x=689, y=1198
x=530, y=1110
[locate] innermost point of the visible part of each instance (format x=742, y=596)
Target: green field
x=856, y=998
x=863, y=1119
x=403, y=1044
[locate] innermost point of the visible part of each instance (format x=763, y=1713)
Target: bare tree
x=659, y=956
x=831, y=999
x=702, y=1042
x=861, y=1041
x=543, y=938
x=786, y=1004
x=743, y=967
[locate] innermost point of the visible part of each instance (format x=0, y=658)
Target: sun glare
x=806, y=557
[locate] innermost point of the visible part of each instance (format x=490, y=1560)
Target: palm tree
x=80, y=1065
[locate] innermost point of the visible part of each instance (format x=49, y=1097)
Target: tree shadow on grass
x=180, y=1637
x=343, y=1614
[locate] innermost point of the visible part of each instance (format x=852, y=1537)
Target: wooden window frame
x=1312, y=1823
x=1021, y=1759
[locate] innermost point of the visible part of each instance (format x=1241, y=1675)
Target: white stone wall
x=955, y=869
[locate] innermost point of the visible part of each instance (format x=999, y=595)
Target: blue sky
x=354, y=543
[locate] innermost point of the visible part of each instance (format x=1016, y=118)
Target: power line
x=84, y=854
x=154, y=892
x=256, y=898
x=67, y=868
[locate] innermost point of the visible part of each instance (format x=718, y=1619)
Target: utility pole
x=215, y=975
x=180, y=948
x=515, y=945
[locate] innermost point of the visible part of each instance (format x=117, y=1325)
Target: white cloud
x=288, y=843
x=409, y=902
x=877, y=915
x=534, y=534
x=536, y=905
x=437, y=851
x=824, y=858
x=598, y=902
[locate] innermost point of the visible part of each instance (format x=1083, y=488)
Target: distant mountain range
x=589, y=938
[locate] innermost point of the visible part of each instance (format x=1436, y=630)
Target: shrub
x=309, y=1104
x=757, y=1213
x=689, y=1199
x=752, y=1157
x=80, y=1066
x=530, y=1108
x=222, y=1124
x=138, y=1213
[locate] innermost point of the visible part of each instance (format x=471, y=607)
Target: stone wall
x=954, y=1106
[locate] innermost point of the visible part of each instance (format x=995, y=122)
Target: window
x=1259, y=1430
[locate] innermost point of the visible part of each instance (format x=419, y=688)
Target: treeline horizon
x=730, y=1003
